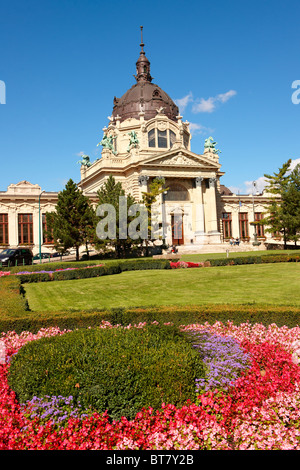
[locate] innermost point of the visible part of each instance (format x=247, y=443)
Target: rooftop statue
x=107, y=143
x=133, y=140
x=211, y=144
x=85, y=161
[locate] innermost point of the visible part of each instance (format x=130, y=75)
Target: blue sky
x=229, y=64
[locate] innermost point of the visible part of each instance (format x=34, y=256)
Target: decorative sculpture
x=107, y=143
x=133, y=140
x=85, y=161
x=211, y=144
x=160, y=110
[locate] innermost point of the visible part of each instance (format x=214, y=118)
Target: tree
x=72, y=224
x=283, y=210
x=291, y=203
x=113, y=218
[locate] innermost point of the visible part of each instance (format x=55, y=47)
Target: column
x=235, y=223
x=35, y=218
x=13, y=227
x=199, y=211
x=212, y=229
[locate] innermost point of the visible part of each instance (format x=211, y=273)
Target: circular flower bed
x=250, y=400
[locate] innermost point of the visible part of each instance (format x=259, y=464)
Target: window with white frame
x=161, y=138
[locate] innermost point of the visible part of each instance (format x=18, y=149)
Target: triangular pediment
x=181, y=158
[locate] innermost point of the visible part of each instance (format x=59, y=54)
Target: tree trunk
x=77, y=253
x=284, y=239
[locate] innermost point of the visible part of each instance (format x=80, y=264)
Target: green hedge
x=117, y=370
x=52, y=266
x=257, y=259
x=109, y=268
x=267, y=315
x=12, y=300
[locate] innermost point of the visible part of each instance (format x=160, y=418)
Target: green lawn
x=235, y=254
x=258, y=284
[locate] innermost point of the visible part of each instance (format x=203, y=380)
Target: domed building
x=147, y=138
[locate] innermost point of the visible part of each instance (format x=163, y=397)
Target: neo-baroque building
x=147, y=138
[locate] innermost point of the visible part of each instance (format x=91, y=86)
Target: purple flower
x=56, y=409
x=223, y=360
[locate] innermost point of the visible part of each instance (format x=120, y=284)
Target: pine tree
x=110, y=193
x=72, y=224
x=283, y=210
x=291, y=204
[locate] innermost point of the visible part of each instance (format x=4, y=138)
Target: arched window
x=177, y=192
x=151, y=138
x=161, y=139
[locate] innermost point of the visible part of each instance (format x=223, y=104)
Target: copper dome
x=144, y=95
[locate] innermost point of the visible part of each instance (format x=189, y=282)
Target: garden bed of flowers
x=250, y=399
x=50, y=272
x=187, y=264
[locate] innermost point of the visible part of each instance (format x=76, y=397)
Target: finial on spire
x=143, y=64
x=142, y=44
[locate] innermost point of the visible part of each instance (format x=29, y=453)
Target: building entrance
x=177, y=229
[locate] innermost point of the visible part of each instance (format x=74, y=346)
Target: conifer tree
x=72, y=224
x=283, y=210
x=110, y=194
x=291, y=201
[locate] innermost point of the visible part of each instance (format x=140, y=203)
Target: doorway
x=177, y=229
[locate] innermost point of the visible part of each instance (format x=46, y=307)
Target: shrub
x=11, y=299
x=119, y=370
x=86, y=272
x=67, y=272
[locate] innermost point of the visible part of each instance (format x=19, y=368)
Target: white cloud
x=199, y=129
x=260, y=185
x=201, y=105
x=247, y=187
x=79, y=154
x=294, y=163
x=204, y=106
x=183, y=102
x=223, y=97
x=209, y=105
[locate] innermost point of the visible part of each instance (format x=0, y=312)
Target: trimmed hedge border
x=94, y=271
x=255, y=260
x=179, y=315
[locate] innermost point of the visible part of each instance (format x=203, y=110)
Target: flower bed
x=8, y=273
x=257, y=408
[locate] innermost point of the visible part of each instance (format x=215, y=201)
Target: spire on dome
x=143, y=65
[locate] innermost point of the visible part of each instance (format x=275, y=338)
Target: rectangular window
x=162, y=139
x=3, y=229
x=46, y=240
x=151, y=138
x=243, y=220
x=260, y=232
x=226, y=221
x=25, y=226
